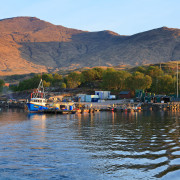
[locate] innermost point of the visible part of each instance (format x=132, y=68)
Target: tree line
x=1, y=84
x=151, y=78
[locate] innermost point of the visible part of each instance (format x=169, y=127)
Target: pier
x=92, y=107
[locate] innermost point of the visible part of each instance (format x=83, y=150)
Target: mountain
x=28, y=44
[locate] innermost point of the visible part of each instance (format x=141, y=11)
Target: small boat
x=38, y=101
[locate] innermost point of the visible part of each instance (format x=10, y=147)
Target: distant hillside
x=30, y=45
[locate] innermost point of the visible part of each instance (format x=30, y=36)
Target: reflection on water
x=103, y=145
x=131, y=142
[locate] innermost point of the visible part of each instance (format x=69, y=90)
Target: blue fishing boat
x=38, y=100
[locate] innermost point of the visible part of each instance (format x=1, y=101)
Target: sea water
x=103, y=145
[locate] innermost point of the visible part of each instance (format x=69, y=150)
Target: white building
x=103, y=94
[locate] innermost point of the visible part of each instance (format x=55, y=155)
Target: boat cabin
x=38, y=100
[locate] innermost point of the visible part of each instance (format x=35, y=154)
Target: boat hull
x=35, y=107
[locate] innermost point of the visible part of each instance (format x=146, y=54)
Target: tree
x=1, y=84
x=98, y=73
x=48, y=77
x=109, y=80
x=58, y=77
x=29, y=83
x=139, y=81
x=46, y=84
x=63, y=85
x=57, y=80
x=92, y=75
x=121, y=79
x=73, y=80
x=154, y=71
x=164, y=84
x=110, y=69
x=141, y=69
x=88, y=75
x=113, y=79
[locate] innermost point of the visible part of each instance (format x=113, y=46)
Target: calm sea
x=104, y=145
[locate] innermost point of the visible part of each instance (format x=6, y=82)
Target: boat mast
x=40, y=87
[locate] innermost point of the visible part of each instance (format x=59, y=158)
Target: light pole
x=177, y=82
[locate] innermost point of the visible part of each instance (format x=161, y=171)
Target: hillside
x=30, y=45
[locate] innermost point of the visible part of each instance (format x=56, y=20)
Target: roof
x=124, y=92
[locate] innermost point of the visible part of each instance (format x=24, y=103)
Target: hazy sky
x=125, y=17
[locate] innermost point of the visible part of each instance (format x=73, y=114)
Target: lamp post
x=177, y=82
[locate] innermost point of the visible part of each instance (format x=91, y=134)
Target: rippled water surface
x=103, y=145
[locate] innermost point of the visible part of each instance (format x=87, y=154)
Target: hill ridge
x=28, y=44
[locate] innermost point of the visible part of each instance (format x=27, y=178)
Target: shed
x=91, y=98
x=88, y=98
x=94, y=98
x=125, y=94
x=103, y=94
x=81, y=97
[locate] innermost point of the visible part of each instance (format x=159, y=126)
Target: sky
x=125, y=17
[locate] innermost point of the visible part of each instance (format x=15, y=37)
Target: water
x=105, y=145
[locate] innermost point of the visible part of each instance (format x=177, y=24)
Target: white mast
x=40, y=87
x=177, y=82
